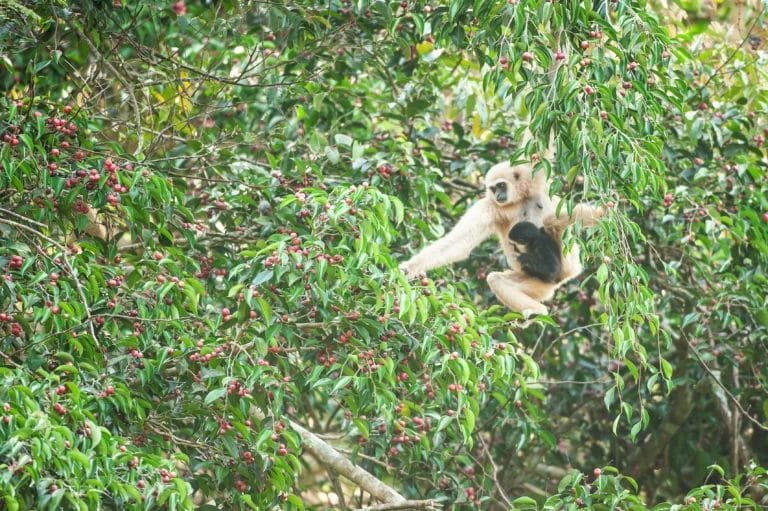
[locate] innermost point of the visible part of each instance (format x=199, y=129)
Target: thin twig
x=733, y=54
x=495, y=473
x=727, y=392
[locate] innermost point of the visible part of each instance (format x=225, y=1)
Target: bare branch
x=331, y=459
x=408, y=504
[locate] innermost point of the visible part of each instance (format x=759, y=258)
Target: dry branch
x=408, y=504
x=333, y=460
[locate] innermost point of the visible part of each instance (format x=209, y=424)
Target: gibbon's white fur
x=513, y=194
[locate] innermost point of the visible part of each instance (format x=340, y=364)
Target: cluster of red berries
x=179, y=7
x=10, y=138
x=272, y=261
x=166, y=476
x=16, y=329
x=327, y=361
x=428, y=386
x=224, y=426
x=206, y=265
x=367, y=363
x=204, y=359
x=62, y=125
x=332, y=259
x=236, y=387
x=15, y=262
x=80, y=206
x=109, y=391
x=385, y=170
x=453, y=330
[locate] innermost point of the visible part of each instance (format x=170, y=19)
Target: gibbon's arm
x=469, y=232
x=586, y=214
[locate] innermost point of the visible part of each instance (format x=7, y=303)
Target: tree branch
x=408, y=504
x=330, y=458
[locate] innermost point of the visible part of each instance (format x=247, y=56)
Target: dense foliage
x=202, y=210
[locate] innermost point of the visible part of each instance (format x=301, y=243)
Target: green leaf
x=666, y=368
x=342, y=139
x=215, y=395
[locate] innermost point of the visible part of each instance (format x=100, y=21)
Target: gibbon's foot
x=536, y=311
x=510, y=286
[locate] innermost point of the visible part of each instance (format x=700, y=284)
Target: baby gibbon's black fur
x=540, y=255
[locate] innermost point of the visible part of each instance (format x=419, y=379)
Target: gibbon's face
x=508, y=184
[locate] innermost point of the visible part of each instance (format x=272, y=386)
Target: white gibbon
x=513, y=194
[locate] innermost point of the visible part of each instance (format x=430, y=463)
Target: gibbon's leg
x=472, y=228
x=510, y=288
x=571, y=266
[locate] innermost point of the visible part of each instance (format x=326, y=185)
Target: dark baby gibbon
x=539, y=253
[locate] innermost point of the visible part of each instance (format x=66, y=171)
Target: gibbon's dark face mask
x=499, y=191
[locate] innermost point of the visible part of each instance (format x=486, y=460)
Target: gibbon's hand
x=411, y=268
